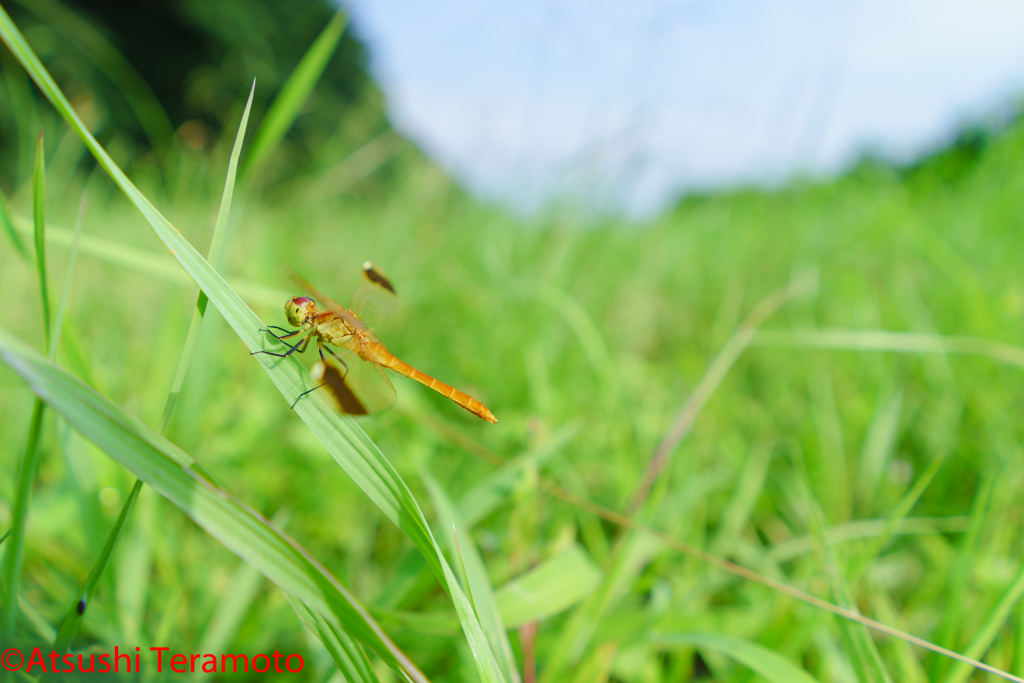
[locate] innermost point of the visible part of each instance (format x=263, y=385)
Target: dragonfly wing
x=358, y=387
x=375, y=297
x=342, y=312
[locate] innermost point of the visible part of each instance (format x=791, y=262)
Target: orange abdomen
x=389, y=360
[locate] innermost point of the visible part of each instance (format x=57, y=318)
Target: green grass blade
x=866, y=529
x=861, y=649
x=350, y=658
x=7, y=222
x=959, y=578
x=577, y=631
x=861, y=563
x=1018, y=643
x=29, y=463
x=216, y=245
x=899, y=342
x=73, y=618
x=4, y=537
x=221, y=226
x=486, y=664
x=554, y=585
x=39, y=220
x=989, y=629
x=293, y=95
x=158, y=462
x=478, y=584
x=342, y=437
x=13, y=555
x=58, y=319
x=766, y=663
x=149, y=263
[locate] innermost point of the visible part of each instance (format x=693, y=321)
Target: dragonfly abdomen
x=389, y=360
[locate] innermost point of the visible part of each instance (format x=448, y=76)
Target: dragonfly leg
x=289, y=333
x=322, y=348
x=308, y=391
x=303, y=343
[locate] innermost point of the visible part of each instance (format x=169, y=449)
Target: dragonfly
x=353, y=371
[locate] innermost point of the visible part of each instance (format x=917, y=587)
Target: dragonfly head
x=298, y=309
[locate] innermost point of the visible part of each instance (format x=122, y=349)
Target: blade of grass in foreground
x=158, y=462
x=478, y=583
x=29, y=462
x=345, y=441
x=346, y=652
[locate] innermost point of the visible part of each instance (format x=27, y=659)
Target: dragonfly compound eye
x=297, y=309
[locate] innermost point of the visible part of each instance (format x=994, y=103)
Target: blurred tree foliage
x=198, y=59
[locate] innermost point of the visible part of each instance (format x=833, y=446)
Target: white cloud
x=523, y=100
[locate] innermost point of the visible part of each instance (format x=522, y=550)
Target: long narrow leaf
x=886, y=340
x=69, y=270
x=29, y=463
x=486, y=664
x=216, y=243
x=350, y=658
x=158, y=463
x=150, y=263
x=477, y=582
x=989, y=629
x=73, y=618
x=294, y=94
x=39, y=219
x=13, y=554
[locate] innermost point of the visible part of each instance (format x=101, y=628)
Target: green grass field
x=862, y=445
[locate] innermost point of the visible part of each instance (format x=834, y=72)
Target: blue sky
x=628, y=105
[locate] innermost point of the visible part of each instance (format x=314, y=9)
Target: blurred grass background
x=583, y=335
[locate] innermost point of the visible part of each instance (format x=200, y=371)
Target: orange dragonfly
x=354, y=373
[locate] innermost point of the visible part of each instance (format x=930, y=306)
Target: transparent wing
x=375, y=297
x=358, y=387
x=319, y=296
